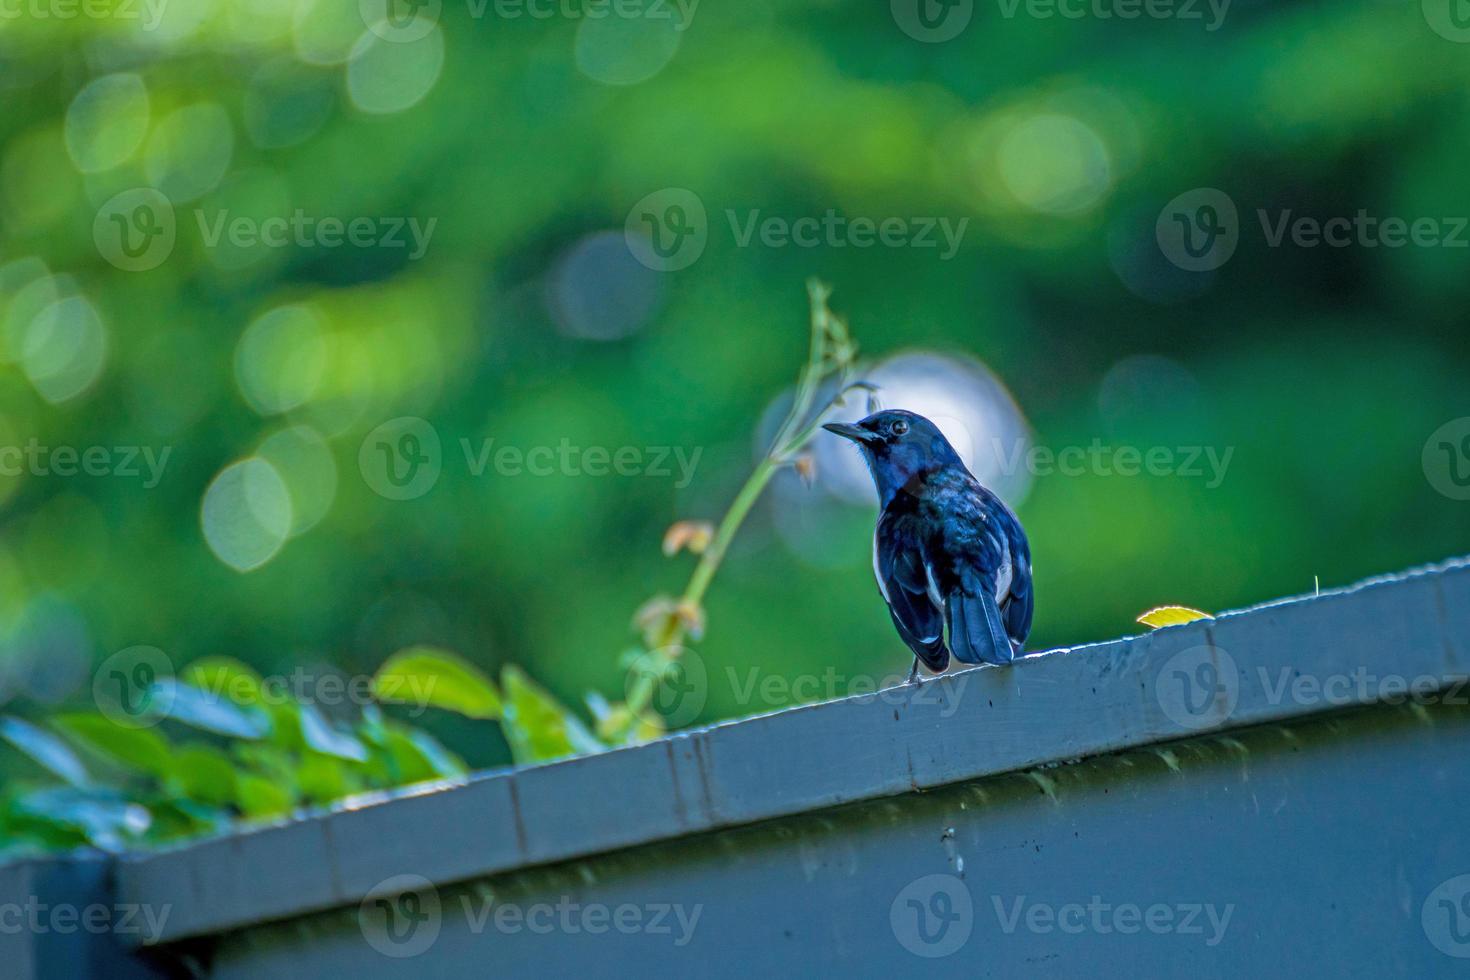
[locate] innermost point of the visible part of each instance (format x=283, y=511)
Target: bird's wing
x=898, y=564
x=990, y=610
x=1019, y=605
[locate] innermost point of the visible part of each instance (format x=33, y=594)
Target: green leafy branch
x=216, y=744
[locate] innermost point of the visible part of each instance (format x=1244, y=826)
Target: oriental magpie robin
x=947, y=552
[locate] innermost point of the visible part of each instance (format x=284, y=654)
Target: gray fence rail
x=1280, y=787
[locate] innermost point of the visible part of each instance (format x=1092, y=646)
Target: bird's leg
x=914, y=674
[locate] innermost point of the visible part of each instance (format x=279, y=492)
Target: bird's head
x=898, y=447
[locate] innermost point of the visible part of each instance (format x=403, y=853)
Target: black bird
x=947, y=551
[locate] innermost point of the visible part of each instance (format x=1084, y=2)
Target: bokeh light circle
x=304, y=461
x=626, y=48
x=190, y=150
x=385, y=77
x=246, y=514
x=1055, y=164
x=600, y=291
x=280, y=359
x=106, y=122
x=65, y=348
x=960, y=395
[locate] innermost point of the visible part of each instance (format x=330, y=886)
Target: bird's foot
x=914, y=674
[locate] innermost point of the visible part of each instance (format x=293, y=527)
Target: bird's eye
x=900, y=427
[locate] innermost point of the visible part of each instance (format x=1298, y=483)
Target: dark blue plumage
x=948, y=554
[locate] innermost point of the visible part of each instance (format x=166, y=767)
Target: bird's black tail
x=977, y=632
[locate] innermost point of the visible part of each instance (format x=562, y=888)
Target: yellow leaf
x=1171, y=616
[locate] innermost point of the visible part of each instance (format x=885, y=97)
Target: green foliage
x=217, y=747
x=221, y=747
x=423, y=675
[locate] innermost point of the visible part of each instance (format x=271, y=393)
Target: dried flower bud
x=654, y=615
x=691, y=617
x=694, y=535
x=806, y=468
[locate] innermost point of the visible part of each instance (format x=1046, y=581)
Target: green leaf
x=45, y=749
x=206, y=711
x=320, y=736
x=425, y=676
x=204, y=774
x=1171, y=616
x=179, y=819
x=229, y=680
x=323, y=778
x=104, y=816
x=140, y=749
x=260, y=797
x=441, y=762
x=267, y=760
x=225, y=677
x=537, y=727
x=403, y=754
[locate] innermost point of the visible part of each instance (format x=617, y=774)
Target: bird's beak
x=856, y=433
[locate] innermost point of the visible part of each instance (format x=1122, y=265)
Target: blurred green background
x=528, y=318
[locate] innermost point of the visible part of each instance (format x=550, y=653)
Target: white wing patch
x=933, y=586
x=1006, y=572
x=882, y=589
